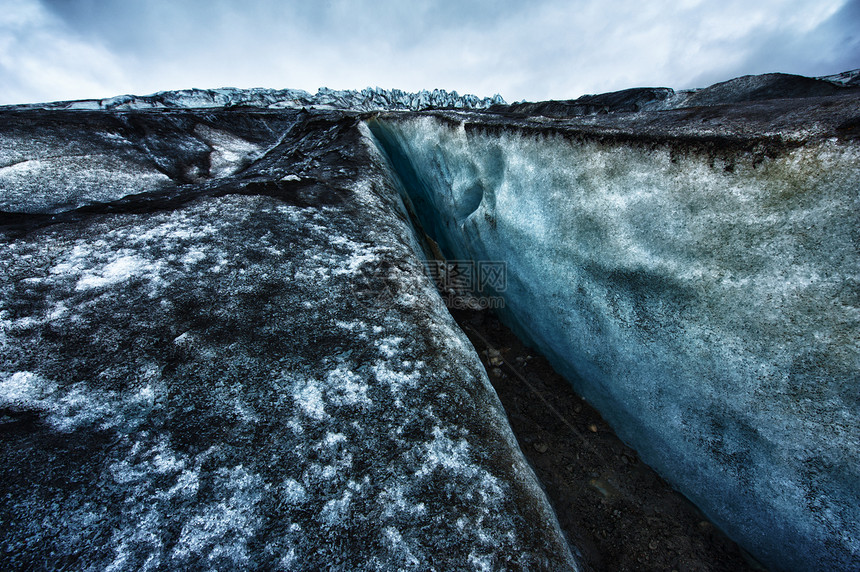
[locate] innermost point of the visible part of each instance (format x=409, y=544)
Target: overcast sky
x=536, y=49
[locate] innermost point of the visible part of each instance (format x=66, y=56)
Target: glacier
x=220, y=347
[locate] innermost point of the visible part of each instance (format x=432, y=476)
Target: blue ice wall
x=707, y=304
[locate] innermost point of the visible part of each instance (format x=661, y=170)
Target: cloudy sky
x=536, y=49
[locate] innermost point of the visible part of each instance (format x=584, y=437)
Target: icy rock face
x=695, y=278
x=368, y=99
x=246, y=372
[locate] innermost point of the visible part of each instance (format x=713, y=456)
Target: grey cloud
x=138, y=25
x=536, y=50
x=831, y=47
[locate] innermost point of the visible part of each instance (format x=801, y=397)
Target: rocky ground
x=620, y=513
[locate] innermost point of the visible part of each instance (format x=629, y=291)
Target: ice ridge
x=368, y=99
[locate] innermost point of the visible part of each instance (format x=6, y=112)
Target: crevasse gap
x=705, y=301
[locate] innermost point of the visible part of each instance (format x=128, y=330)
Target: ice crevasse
x=704, y=296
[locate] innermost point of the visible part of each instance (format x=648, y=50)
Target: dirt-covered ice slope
x=219, y=351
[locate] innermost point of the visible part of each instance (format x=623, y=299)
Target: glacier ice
x=699, y=288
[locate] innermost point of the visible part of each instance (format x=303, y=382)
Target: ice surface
x=200, y=386
x=704, y=298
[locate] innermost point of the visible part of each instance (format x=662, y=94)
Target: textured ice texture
x=695, y=278
x=368, y=99
x=249, y=371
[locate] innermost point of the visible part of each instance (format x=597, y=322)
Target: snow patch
x=229, y=153
x=309, y=396
x=24, y=389
x=119, y=270
x=222, y=530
